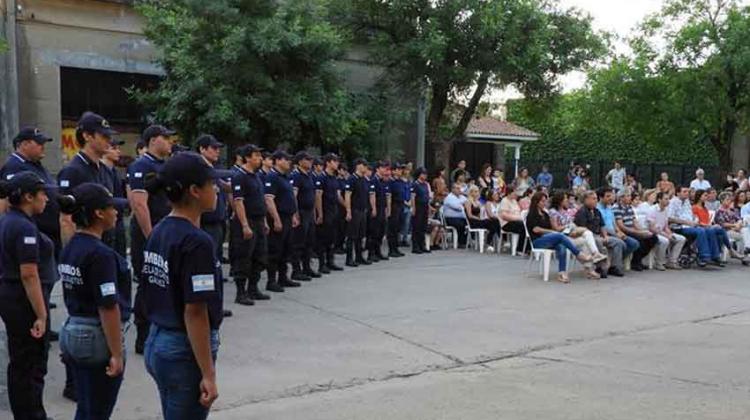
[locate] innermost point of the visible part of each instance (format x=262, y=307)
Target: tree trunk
x=482, y=82
x=441, y=149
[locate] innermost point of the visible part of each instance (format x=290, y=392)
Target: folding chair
x=449, y=230
x=544, y=256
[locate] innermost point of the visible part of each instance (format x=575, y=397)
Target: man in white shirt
x=658, y=223
x=699, y=183
x=616, y=177
x=453, y=212
x=682, y=221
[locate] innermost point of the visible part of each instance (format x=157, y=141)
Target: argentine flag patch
x=64, y=183
x=203, y=283
x=107, y=289
x=29, y=240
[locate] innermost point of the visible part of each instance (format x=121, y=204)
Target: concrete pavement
x=458, y=335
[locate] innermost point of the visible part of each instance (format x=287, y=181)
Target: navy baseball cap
x=207, y=140
x=359, y=161
x=91, y=122
x=156, y=130
x=25, y=182
x=117, y=142
x=248, y=150
x=190, y=168
x=303, y=155
x=280, y=154
x=331, y=156
x=318, y=162
x=31, y=133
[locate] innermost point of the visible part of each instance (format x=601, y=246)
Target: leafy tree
x=465, y=47
x=250, y=70
x=690, y=74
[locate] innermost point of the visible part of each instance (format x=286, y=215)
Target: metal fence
x=647, y=174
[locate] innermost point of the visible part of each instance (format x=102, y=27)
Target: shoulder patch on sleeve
x=64, y=183
x=29, y=240
x=268, y=184
x=203, y=282
x=107, y=289
x=138, y=175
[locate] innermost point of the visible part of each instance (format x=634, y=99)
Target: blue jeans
x=170, y=361
x=720, y=236
x=560, y=243
x=708, y=246
x=631, y=244
x=406, y=223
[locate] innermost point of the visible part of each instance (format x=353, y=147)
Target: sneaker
x=660, y=267
x=490, y=249
x=598, y=257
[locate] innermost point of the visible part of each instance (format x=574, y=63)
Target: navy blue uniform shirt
x=49, y=220
x=158, y=205
x=81, y=169
x=92, y=277
x=422, y=193
x=180, y=267
x=219, y=215
x=397, y=187
x=305, y=186
x=22, y=243
x=360, y=189
x=381, y=191
x=331, y=187
x=280, y=187
x=248, y=187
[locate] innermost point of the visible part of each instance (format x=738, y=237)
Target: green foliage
x=250, y=70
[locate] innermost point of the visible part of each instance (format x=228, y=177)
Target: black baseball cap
x=155, y=130
x=117, y=142
x=398, y=165
x=331, y=156
x=359, y=161
x=280, y=154
x=31, y=133
x=249, y=149
x=303, y=155
x=419, y=171
x=26, y=182
x=208, y=140
x=91, y=122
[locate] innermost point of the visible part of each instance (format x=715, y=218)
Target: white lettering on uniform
x=107, y=289
x=203, y=282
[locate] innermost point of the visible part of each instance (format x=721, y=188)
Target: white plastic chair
x=544, y=256
x=508, y=238
x=449, y=230
x=476, y=236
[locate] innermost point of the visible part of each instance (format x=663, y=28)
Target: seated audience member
x=435, y=226
x=573, y=205
x=742, y=181
x=729, y=218
x=606, y=208
x=491, y=208
x=461, y=181
x=704, y=220
x=591, y=218
x=439, y=186
x=582, y=183
x=626, y=223
x=511, y=219
x=473, y=210
x=523, y=182
x=498, y=180
x=669, y=242
x=582, y=238
x=453, y=212
x=485, y=178
x=631, y=182
x=683, y=221
x=544, y=178
x=460, y=168
x=700, y=183
x=730, y=184
x=665, y=185
x=712, y=201
x=740, y=203
x=543, y=236
x=525, y=199
x=645, y=207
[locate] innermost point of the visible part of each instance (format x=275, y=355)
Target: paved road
x=457, y=335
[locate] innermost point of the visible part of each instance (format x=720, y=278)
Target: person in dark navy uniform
x=342, y=177
x=303, y=236
x=331, y=201
x=148, y=209
x=266, y=165
x=282, y=218
x=395, y=221
x=183, y=290
x=420, y=211
x=357, y=202
x=117, y=239
x=248, y=245
x=96, y=286
x=26, y=257
x=214, y=223
x=377, y=223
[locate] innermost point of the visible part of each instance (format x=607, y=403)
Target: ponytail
x=157, y=183
x=69, y=205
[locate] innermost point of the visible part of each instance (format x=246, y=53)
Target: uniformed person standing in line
x=248, y=244
x=420, y=210
x=93, y=277
x=318, y=176
x=183, y=291
x=395, y=221
x=379, y=221
x=331, y=202
x=303, y=236
x=115, y=185
x=282, y=209
x=267, y=165
x=213, y=222
x=27, y=257
x=148, y=209
x=357, y=202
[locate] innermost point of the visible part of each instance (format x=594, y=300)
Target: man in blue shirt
x=303, y=236
x=214, y=223
x=282, y=216
x=357, y=200
x=605, y=206
x=397, y=187
x=377, y=223
x=545, y=178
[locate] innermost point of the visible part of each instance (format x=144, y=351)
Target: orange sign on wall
x=69, y=144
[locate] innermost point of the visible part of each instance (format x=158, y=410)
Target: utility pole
x=421, y=117
x=8, y=78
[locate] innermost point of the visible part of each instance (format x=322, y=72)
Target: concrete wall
x=72, y=33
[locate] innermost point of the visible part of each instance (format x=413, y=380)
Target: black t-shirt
x=248, y=187
x=360, y=189
x=279, y=186
x=331, y=188
x=22, y=243
x=81, y=169
x=49, y=220
x=180, y=267
x=138, y=171
x=421, y=192
x=305, y=186
x=534, y=219
x=89, y=273
x=382, y=190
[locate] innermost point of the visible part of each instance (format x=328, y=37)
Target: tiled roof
x=494, y=127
